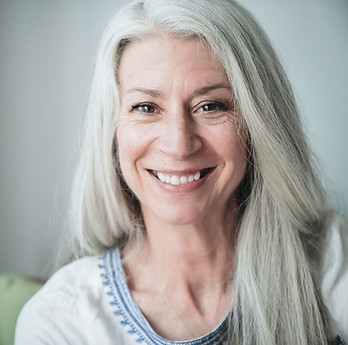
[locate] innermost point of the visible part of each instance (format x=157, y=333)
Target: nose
x=179, y=137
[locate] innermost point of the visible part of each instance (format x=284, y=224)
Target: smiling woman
x=197, y=214
x=178, y=146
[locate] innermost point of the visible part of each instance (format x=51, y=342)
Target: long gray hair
x=282, y=205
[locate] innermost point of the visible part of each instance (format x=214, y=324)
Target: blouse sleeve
x=50, y=318
x=66, y=310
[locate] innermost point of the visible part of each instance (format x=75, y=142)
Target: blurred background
x=47, y=52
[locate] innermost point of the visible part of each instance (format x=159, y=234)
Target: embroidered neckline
x=124, y=307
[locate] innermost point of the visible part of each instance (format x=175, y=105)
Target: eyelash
x=137, y=107
x=218, y=106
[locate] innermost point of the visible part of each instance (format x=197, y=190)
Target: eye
x=212, y=106
x=145, y=108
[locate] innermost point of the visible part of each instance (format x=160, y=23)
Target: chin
x=181, y=216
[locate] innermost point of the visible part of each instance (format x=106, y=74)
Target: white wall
x=47, y=52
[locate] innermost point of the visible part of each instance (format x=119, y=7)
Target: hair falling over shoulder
x=282, y=208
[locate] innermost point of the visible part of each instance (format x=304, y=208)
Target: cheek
x=233, y=151
x=230, y=143
x=131, y=147
x=239, y=155
x=127, y=152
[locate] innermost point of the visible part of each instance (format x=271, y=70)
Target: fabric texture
x=89, y=302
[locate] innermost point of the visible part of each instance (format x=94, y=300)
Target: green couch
x=15, y=291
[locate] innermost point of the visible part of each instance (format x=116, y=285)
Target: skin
x=177, y=118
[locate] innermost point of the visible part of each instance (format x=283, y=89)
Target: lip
x=186, y=187
x=183, y=172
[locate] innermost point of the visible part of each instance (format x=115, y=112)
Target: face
x=177, y=134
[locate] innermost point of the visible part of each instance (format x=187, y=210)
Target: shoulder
x=335, y=253
x=75, y=274
x=71, y=282
x=71, y=308
x=334, y=280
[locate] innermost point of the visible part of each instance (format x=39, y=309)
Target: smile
x=177, y=180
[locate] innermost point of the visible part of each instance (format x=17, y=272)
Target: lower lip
x=182, y=188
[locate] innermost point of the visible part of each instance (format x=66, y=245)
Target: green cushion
x=15, y=291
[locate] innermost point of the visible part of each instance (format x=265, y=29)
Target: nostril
x=180, y=142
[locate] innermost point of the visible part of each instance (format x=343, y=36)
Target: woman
x=197, y=214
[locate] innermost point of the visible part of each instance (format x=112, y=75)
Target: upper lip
x=185, y=172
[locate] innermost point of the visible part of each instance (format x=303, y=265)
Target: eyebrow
x=201, y=91
x=208, y=88
x=150, y=92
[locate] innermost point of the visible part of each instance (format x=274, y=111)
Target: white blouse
x=89, y=302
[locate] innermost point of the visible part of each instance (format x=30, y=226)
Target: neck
x=189, y=255
x=194, y=258
x=188, y=271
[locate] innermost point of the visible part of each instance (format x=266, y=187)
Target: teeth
x=160, y=176
x=177, y=180
x=183, y=179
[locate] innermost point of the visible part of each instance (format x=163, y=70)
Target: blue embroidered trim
x=108, y=279
x=125, y=308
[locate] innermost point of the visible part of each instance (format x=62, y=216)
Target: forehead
x=147, y=59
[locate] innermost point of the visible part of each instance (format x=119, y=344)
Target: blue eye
x=144, y=108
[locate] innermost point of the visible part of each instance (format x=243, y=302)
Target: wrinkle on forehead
x=163, y=55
